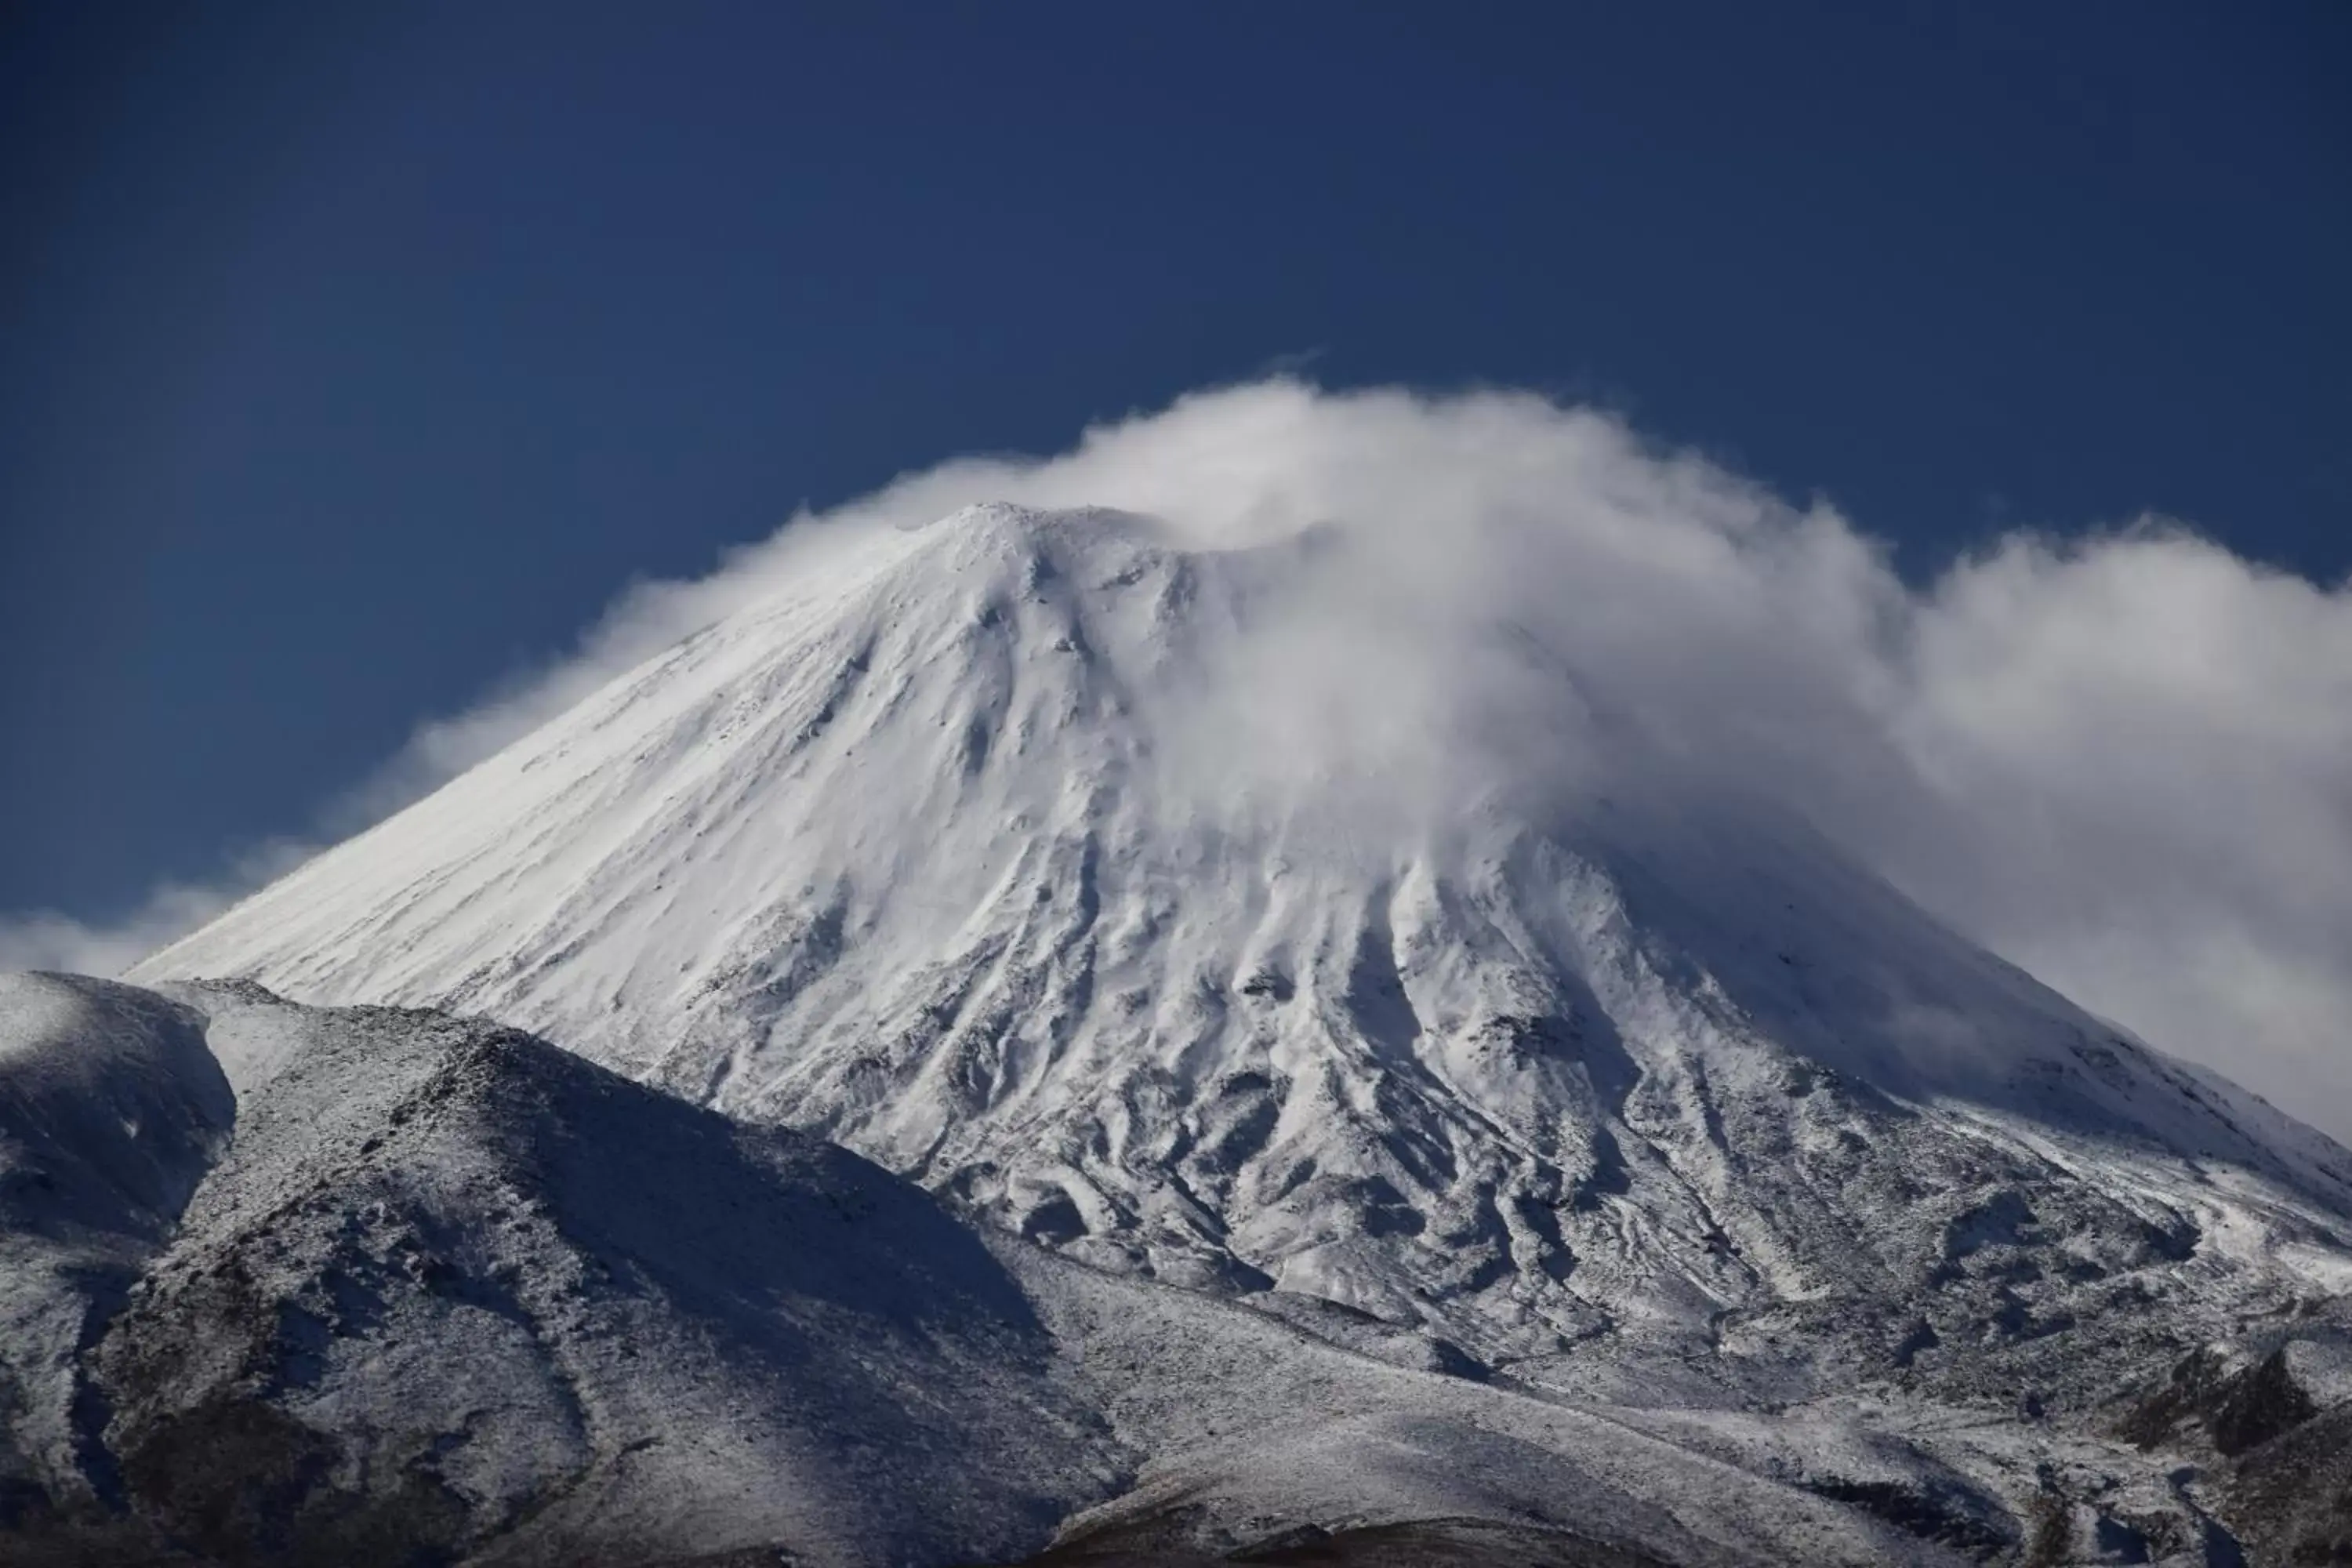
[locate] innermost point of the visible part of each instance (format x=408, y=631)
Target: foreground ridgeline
x=1028, y=1055
x=298, y=1285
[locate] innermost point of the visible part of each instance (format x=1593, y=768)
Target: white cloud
x=45, y=940
x=2123, y=760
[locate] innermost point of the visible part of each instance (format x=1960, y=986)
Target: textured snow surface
x=1527, y=1128
x=977, y=850
x=110, y=1110
x=447, y=1286
x=447, y=1293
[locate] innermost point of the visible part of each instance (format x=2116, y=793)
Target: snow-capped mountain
x=963, y=851
x=1150, y=905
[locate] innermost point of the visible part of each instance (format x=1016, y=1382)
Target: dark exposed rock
x=2291, y=1498
x=1420, y=1543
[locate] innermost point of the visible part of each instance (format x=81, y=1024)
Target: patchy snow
x=110, y=1110
x=449, y=1286
x=449, y=1291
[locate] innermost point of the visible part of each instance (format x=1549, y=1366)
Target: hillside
x=446, y=1293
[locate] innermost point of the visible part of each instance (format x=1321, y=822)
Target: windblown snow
x=1038, y=858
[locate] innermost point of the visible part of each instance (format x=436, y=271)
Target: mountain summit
x=1131, y=896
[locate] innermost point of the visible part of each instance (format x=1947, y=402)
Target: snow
x=980, y=849
x=1256, y=1429
x=448, y=1278
x=448, y=1286
x=1371, y=1113
x=110, y=1110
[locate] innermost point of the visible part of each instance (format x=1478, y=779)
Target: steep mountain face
x=1027, y=856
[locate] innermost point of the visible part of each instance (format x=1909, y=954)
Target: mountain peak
x=1117, y=888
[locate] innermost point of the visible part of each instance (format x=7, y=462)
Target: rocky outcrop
x=2271, y=1414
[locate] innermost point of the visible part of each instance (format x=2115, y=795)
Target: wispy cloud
x=46, y=939
x=2123, y=760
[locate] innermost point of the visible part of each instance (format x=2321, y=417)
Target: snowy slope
x=111, y=1110
x=449, y=1294
x=451, y=1287
x=1027, y=856
x=1253, y=1436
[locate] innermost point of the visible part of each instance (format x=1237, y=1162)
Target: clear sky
x=355, y=356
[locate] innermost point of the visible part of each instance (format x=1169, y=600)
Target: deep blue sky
x=356, y=355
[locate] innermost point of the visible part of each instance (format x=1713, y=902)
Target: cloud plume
x=2123, y=760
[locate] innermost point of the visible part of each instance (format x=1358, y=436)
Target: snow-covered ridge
x=112, y=1110
x=1161, y=904
x=440, y=1291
